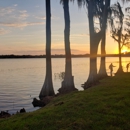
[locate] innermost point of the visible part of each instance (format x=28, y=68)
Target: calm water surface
x=21, y=79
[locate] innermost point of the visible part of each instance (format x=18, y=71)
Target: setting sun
x=124, y=50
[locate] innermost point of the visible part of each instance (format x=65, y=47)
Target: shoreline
x=108, y=100
x=12, y=56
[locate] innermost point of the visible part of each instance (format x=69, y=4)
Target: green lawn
x=102, y=107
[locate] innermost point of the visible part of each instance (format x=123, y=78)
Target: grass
x=103, y=107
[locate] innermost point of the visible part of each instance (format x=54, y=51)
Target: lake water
x=21, y=79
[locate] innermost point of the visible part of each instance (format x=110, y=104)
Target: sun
x=124, y=51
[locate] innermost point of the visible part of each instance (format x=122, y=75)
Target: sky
x=22, y=28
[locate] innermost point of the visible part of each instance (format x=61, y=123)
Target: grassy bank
x=103, y=107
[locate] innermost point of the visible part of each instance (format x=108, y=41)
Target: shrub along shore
x=105, y=106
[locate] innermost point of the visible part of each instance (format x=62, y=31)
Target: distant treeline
x=58, y=56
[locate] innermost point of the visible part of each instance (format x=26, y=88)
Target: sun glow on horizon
x=125, y=50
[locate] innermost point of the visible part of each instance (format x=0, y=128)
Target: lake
x=21, y=79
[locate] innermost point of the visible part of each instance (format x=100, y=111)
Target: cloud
x=40, y=17
x=15, y=5
x=22, y=24
x=23, y=15
x=6, y=11
x=44, y=18
x=12, y=14
x=11, y=17
x=3, y=31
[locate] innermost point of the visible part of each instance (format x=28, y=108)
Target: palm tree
x=102, y=70
x=68, y=82
x=47, y=89
x=96, y=9
x=95, y=38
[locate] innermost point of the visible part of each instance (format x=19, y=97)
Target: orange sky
x=22, y=29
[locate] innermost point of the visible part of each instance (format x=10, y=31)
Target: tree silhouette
x=102, y=70
x=68, y=82
x=47, y=89
x=97, y=9
x=126, y=36
x=116, y=29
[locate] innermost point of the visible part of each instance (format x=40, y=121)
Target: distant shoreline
x=58, y=56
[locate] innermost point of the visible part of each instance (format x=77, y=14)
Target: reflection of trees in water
x=60, y=76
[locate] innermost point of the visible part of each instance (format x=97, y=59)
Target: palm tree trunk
x=68, y=82
x=102, y=70
x=47, y=89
